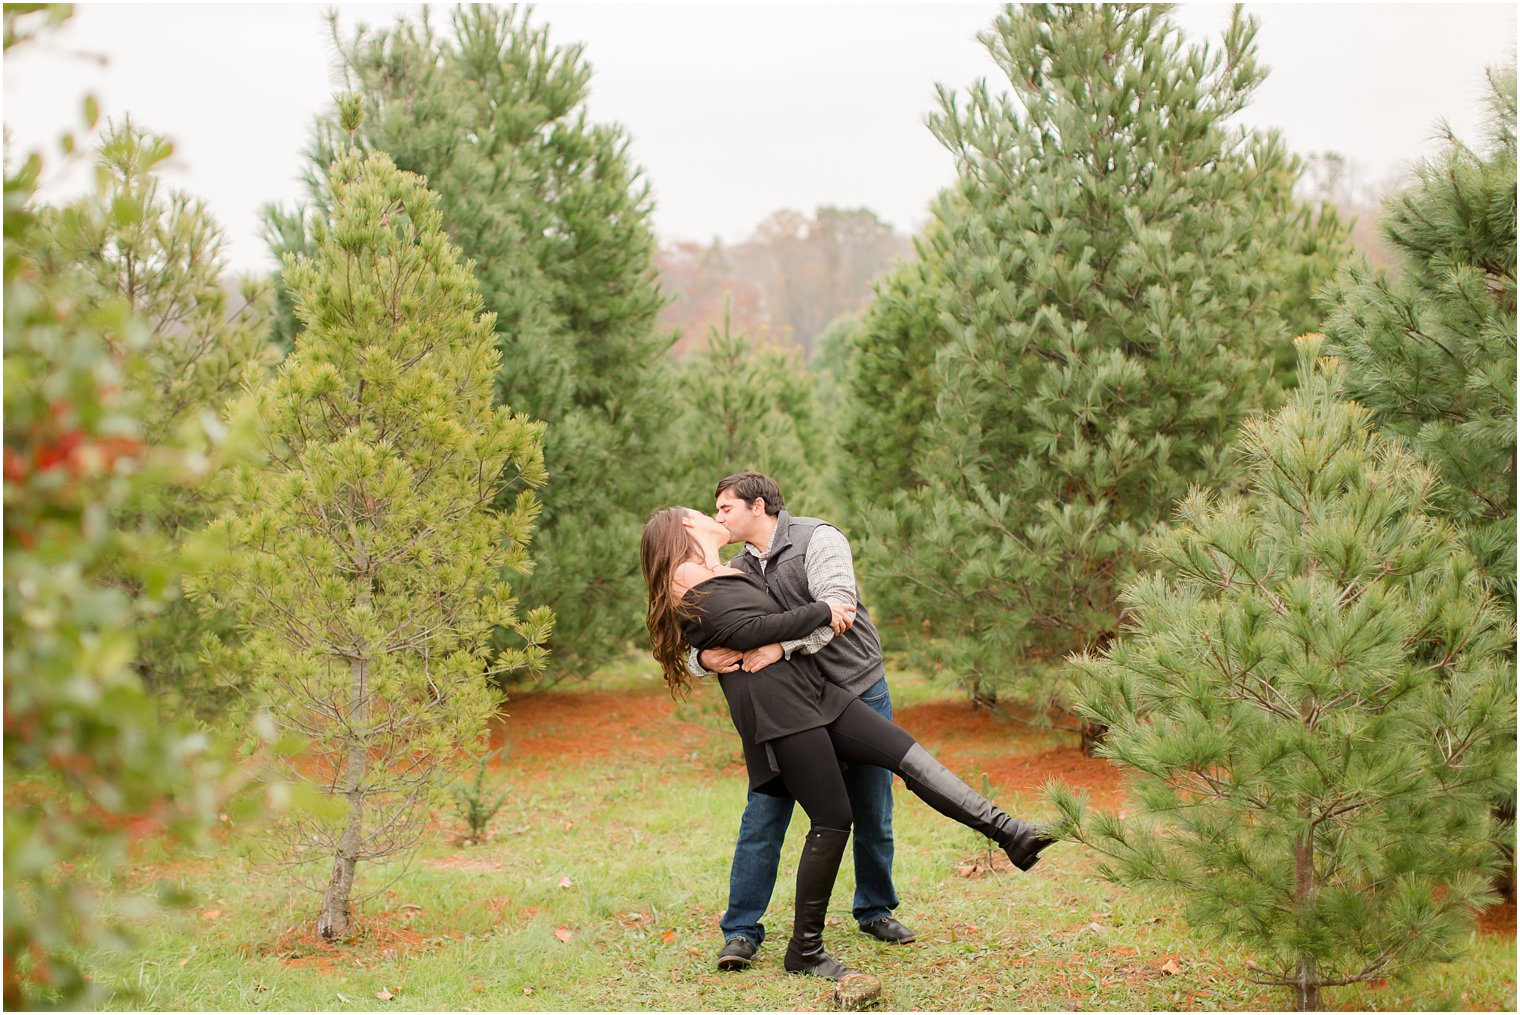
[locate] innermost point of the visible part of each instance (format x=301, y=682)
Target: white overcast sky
x=734, y=110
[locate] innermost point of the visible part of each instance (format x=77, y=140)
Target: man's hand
x=720, y=660
x=757, y=659
x=841, y=617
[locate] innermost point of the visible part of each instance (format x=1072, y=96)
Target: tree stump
x=856, y=991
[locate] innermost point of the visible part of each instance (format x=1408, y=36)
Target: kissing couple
x=800, y=664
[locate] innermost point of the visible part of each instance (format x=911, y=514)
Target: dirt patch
x=1498, y=920
x=577, y=726
x=379, y=936
x=976, y=741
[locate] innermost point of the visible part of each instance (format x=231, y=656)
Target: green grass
x=646, y=846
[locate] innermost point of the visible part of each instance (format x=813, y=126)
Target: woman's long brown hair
x=665, y=545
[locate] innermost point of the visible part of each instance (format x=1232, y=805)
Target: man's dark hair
x=749, y=485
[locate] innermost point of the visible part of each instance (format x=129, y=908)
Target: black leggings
x=810, y=760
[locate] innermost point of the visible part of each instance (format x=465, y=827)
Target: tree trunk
x=337, y=912
x=1092, y=736
x=1306, y=990
x=1504, y=881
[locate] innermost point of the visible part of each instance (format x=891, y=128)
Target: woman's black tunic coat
x=789, y=695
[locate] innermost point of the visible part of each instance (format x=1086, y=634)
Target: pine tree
x=888, y=371
x=366, y=552
x=747, y=406
x=556, y=218
x=161, y=253
x=1432, y=351
x=1111, y=280
x=1316, y=704
x=87, y=752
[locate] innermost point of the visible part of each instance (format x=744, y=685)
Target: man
x=802, y=560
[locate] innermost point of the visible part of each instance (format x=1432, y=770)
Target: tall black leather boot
x=943, y=790
x=821, y=853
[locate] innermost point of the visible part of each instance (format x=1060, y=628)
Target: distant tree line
x=788, y=282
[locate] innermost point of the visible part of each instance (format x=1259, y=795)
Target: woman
x=795, y=725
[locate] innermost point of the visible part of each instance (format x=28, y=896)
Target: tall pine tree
x=888, y=375
x=1432, y=350
x=366, y=553
x=1317, y=703
x=556, y=218
x=1114, y=281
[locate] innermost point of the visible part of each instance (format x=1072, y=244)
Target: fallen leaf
x=477, y=986
x=564, y=934
x=668, y=936
x=181, y=963
x=1096, y=928
x=565, y=882
x=694, y=951
x=262, y=986
x=1170, y=966
x=527, y=991
x=966, y=870
x=212, y=914
x=384, y=994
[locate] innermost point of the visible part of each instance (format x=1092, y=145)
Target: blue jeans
x=763, y=827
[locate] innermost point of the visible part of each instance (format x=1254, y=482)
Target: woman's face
x=707, y=530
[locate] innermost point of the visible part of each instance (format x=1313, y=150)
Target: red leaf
x=1170, y=966
x=384, y=994
x=564, y=934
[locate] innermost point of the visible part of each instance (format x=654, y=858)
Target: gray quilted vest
x=853, y=659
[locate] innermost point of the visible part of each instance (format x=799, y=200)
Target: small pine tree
x=745, y=406
x=1432, y=351
x=366, y=552
x=556, y=217
x=160, y=252
x=1316, y=703
x=1108, y=283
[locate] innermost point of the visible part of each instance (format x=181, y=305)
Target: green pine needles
x=1432, y=351
x=1316, y=704
x=367, y=554
x=747, y=405
x=1107, y=291
x=556, y=217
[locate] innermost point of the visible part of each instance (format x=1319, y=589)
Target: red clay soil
x=1498, y=920
x=977, y=741
x=577, y=725
x=379, y=935
x=574, y=725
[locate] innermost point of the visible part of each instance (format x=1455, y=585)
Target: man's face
x=740, y=519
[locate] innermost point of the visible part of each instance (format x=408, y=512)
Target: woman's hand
x=842, y=617
x=757, y=659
